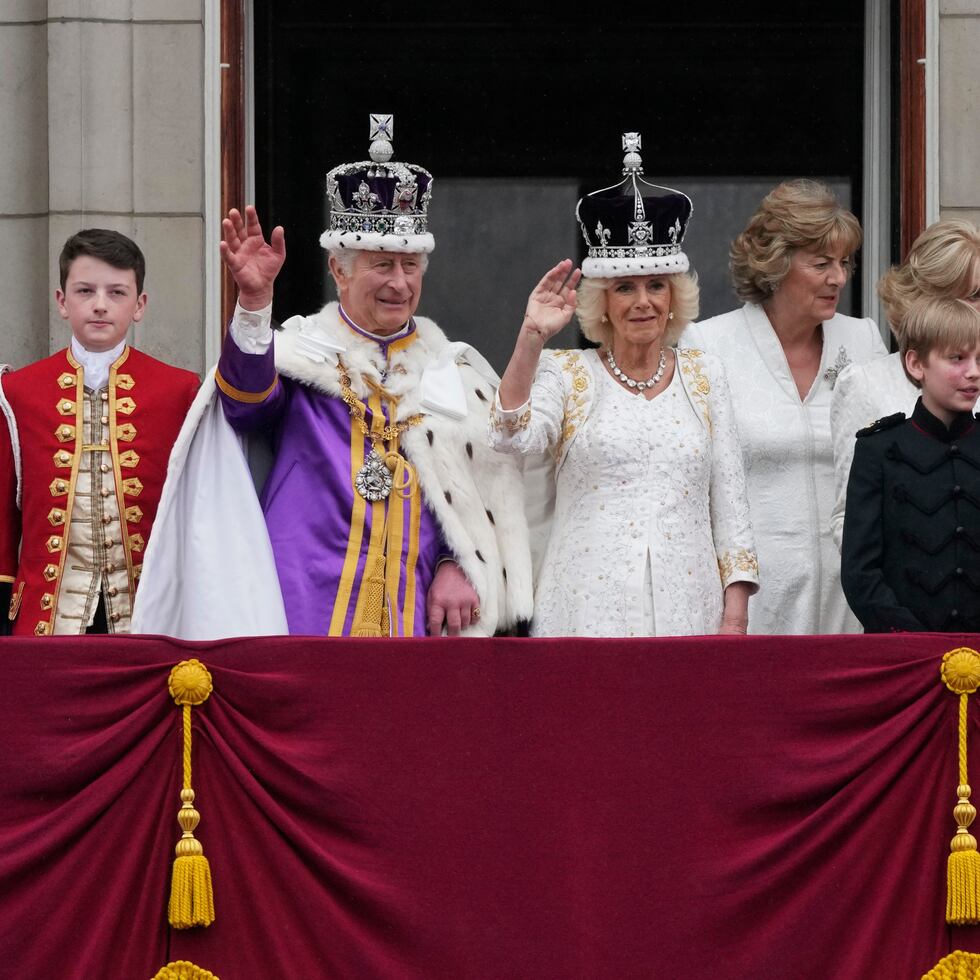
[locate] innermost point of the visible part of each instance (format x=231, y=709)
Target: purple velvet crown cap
x=376, y=204
x=634, y=227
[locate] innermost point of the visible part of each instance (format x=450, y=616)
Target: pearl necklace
x=625, y=379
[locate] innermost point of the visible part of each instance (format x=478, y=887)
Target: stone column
x=105, y=101
x=959, y=109
x=24, y=273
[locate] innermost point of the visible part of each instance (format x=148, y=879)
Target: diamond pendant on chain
x=373, y=481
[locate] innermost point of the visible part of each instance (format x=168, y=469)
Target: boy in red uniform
x=84, y=451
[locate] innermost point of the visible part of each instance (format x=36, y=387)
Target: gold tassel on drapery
x=182, y=970
x=191, y=895
x=956, y=966
x=960, y=672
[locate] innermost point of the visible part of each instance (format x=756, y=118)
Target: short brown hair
x=796, y=214
x=937, y=324
x=111, y=247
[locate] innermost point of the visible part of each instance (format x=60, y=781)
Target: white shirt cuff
x=252, y=329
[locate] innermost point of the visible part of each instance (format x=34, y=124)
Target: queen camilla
x=650, y=533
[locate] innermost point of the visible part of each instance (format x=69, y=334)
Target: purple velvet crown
x=634, y=227
x=378, y=205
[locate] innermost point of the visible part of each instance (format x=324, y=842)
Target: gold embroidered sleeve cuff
x=510, y=421
x=738, y=566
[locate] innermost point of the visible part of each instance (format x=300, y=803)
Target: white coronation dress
x=650, y=515
x=863, y=394
x=789, y=463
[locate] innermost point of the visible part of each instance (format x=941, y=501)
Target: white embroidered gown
x=650, y=515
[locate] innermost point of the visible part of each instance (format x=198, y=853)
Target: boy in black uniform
x=910, y=559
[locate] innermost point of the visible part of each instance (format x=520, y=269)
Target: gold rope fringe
x=956, y=966
x=191, y=893
x=960, y=672
x=182, y=970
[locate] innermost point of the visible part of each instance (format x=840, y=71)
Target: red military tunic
x=145, y=404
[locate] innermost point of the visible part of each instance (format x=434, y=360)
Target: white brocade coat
x=789, y=463
x=650, y=515
x=863, y=394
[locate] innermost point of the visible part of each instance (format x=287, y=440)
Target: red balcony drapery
x=734, y=807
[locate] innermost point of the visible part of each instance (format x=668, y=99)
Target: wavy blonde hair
x=592, y=305
x=937, y=323
x=795, y=214
x=943, y=261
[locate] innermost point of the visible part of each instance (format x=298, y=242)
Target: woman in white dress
x=783, y=351
x=943, y=262
x=650, y=534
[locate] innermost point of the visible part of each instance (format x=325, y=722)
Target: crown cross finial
x=632, y=162
x=382, y=133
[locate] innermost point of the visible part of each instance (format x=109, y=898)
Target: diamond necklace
x=625, y=379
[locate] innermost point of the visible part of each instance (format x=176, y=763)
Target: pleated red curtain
x=485, y=809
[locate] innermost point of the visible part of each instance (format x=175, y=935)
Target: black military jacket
x=910, y=559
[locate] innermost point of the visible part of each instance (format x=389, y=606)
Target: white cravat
x=96, y=363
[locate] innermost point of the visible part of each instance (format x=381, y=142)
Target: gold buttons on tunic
x=58, y=487
x=50, y=573
x=105, y=419
x=104, y=467
x=56, y=517
x=62, y=458
x=66, y=407
x=66, y=381
x=65, y=433
x=42, y=629
x=47, y=601
x=53, y=544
